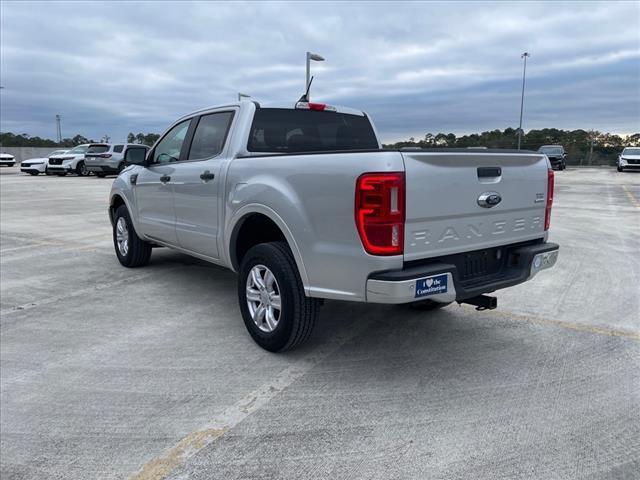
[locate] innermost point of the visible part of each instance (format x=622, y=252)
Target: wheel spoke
x=269, y=280
x=275, y=302
x=257, y=279
x=271, y=319
x=260, y=313
x=253, y=295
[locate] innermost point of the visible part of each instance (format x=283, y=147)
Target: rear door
x=197, y=184
x=463, y=201
x=153, y=189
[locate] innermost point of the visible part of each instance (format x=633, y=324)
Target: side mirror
x=136, y=156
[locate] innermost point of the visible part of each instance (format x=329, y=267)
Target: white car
x=629, y=159
x=34, y=166
x=69, y=162
x=7, y=159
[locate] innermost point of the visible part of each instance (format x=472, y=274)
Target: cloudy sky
x=115, y=67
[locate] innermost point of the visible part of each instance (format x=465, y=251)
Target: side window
x=209, y=137
x=118, y=148
x=168, y=150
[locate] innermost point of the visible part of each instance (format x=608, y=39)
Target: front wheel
x=131, y=250
x=620, y=169
x=33, y=173
x=276, y=311
x=64, y=174
x=100, y=175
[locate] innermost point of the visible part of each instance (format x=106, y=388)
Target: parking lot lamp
x=524, y=74
x=315, y=57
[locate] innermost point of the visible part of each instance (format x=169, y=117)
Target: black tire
x=427, y=305
x=100, y=175
x=298, y=314
x=139, y=251
x=81, y=170
x=620, y=169
x=120, y=167
x=47, y=172
x=11, y=164
x=33, y=173
x=64, y=174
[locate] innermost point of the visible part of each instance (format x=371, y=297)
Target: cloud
x=115, y=67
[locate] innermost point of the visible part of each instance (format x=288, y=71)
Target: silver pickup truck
x=304, y=204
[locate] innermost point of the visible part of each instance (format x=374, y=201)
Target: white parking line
x=162, y=466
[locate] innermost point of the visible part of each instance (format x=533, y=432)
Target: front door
x=197, y=185
x=154, y=190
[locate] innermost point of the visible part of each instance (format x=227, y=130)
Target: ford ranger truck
x=304, y=205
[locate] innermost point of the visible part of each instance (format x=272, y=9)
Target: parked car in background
x=303, y=203
x=107, y=159
x=629, y=159
x=69, y=162
x=35, y=166
x=7, y=159
x=556, y=156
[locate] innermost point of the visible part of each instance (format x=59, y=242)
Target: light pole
x=315, y=57
x=242, y=95
x=524, y=74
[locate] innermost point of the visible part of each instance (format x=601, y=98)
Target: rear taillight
x=380, y=205
x=547, y=212
x=105, y=155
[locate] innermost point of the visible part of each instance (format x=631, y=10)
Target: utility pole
x=524, y=74
x=58, y=129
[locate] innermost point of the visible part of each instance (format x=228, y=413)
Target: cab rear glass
x=281, y=130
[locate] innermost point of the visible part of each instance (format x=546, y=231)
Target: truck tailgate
x=444, y=193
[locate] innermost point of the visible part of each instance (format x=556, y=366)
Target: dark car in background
x=556, y=156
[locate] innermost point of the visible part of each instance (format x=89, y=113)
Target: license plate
x=431, y=285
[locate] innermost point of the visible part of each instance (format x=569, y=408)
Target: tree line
x=9, y=139
x=581, y=146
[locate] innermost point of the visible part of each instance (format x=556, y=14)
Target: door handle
x=165, y=178
x=207, y=175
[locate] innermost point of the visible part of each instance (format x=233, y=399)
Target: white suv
x=107, y=159
x=69, y=162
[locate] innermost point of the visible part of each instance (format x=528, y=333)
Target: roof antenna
x=305, y=97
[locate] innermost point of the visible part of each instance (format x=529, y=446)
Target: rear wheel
x=276, y=311
x=81, y=169
x=131, y=250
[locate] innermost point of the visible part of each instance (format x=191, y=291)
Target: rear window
x=550, y=150
x=98, y=148
x=281, y=130
x=118, y=148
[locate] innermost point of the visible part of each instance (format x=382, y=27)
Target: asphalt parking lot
x=149, y=373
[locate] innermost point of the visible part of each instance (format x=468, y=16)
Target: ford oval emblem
x=489, y=199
